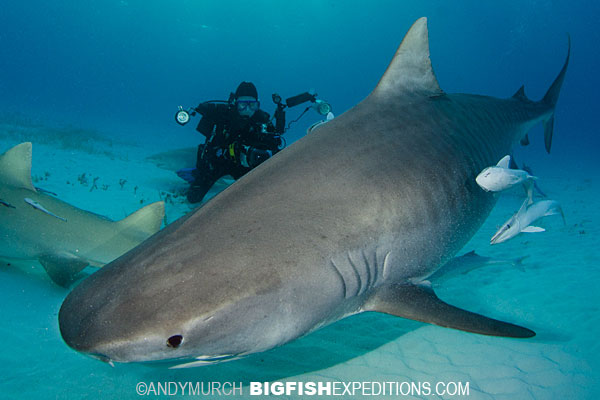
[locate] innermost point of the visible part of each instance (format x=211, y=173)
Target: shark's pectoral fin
x=62, y=268
x=419, y=302
x=532, y=229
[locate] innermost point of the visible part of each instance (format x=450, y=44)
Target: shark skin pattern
x=63, y=238
x=350, y=218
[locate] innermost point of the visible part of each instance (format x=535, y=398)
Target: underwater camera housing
x=320, y=106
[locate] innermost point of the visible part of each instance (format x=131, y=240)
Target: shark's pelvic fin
x=548, y=132
x=145, y=221
x=419, y=302
x=62, y=268
x=15, y=167
x=410, y=69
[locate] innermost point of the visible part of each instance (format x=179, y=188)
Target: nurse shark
x=63, y=238
x=351, y=218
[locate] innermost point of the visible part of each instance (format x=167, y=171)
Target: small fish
x=6, y=204
x=522, y=220
x=513, y=165
x=46, y=191
x=38, y=206
x=535, y=185
x=500, y=177
x=468, y=262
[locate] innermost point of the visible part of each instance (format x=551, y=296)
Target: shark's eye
x=174, y=341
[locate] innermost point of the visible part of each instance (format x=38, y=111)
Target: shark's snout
x=71, y=322
x=91, y=334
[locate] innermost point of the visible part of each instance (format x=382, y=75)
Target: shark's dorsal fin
x=520, y=95
x=410, y=69
x=504, y=162
x=145, y=221
x=15, y=167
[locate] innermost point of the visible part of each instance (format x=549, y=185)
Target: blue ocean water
x=121, y=68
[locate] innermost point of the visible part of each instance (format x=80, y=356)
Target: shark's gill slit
x=174, y=341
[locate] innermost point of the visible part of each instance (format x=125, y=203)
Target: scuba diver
x=239, y=136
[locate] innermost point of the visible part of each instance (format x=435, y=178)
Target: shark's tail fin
x=551, y=98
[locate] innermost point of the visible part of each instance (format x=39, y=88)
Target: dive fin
x=421, y=304
x=62, y=269
x=15, y=167
x=525, y=140
x=410, y=69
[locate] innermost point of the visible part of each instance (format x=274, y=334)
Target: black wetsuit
x=234, y=145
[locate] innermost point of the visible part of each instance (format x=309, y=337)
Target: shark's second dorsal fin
x=15, y=167
x=410, y=69
x=520, y=94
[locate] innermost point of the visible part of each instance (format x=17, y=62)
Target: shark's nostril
x=174, y=341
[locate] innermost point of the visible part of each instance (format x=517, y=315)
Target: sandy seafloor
x=556, y=295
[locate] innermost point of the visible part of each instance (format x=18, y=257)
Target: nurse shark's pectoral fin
x=419, y=302
x=63, y=268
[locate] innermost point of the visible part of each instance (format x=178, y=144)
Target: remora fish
x=340, y=222
x=40, y=207
x=500, y=177
x=468, y=262
x=67, y=239
x=522, y=220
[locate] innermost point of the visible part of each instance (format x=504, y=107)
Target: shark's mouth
x=208, y=360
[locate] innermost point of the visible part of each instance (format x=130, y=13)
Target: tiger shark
x=63, y=238
x=351, y=218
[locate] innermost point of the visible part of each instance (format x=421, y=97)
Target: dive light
x=182, y=117
x=322, y=107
